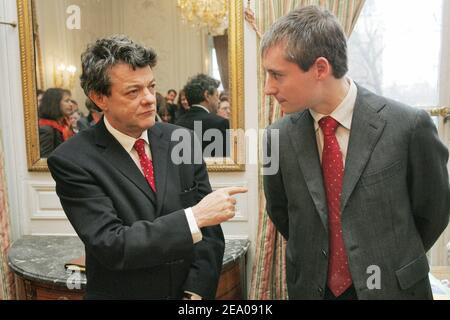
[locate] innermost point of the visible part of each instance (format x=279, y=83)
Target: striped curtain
x=7, y=288
x=268, y=276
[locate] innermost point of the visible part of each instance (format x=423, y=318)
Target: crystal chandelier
x=209, y=14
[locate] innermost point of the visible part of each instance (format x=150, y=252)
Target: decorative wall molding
x=241, y=205
x=45, y=204
x=231, y=237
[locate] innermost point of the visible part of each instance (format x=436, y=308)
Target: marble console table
x=38, y=263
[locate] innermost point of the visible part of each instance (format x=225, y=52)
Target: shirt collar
x=125, y=141
x=200, y=106
x=344, y=112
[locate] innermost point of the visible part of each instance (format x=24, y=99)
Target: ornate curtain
x=268, y=276
x=7, y=288
x=221, y=46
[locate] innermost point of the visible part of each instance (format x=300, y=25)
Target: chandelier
x=209, y=14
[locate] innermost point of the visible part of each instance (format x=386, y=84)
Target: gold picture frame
x=236, y=81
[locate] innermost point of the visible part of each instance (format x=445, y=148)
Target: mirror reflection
x=63, y=29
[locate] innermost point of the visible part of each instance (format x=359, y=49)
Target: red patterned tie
x=146, y=163
x=339, y=277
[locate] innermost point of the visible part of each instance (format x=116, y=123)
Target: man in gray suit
x=362, y=189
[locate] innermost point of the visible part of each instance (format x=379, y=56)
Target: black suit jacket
x=49, y=140
x=395, y=200
x=138, y=243
x=208, y=121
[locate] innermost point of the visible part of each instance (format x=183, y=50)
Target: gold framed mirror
x=36, y=67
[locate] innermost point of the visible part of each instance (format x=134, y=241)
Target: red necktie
x=339, y=277
x=146, y=163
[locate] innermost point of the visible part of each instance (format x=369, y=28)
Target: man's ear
x=206, y=95
x=99, y=100
x=323, y=68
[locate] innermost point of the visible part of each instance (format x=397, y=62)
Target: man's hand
x=216, y=207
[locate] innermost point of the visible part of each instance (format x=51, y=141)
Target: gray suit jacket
x=395, y=200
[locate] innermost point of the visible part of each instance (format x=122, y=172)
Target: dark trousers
x=349, y=294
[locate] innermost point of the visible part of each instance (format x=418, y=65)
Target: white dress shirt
x=342, y=114
x=127, y=143
x=201, y=107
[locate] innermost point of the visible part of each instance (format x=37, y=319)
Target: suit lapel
x=161, y=157
x=367, y=126
x=366, y=130
x=303, y=139
x=119, y=158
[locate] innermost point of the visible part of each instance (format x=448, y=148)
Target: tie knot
x=328, y=125
x=139, y=146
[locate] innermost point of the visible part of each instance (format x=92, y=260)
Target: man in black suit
x=94, y=116
x=150, y=227
x=201, y=93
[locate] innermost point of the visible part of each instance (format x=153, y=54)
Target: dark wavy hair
x=104, y=54
x=196, y=87
x=50, y=107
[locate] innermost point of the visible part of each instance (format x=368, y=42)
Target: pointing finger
x=235, y=190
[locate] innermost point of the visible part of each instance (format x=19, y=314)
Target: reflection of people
x=165, y=114
x=147, y=231
x=362, y=189
x=201, y=92
x=160, y=101
x=39, y=95
x=94, y=116
x=54, y=127
x=74, y=119
x=74, y=105
x=170, y=104
x=171, y=96
x=182, y=105
x=224, y=109
x=164, y=107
